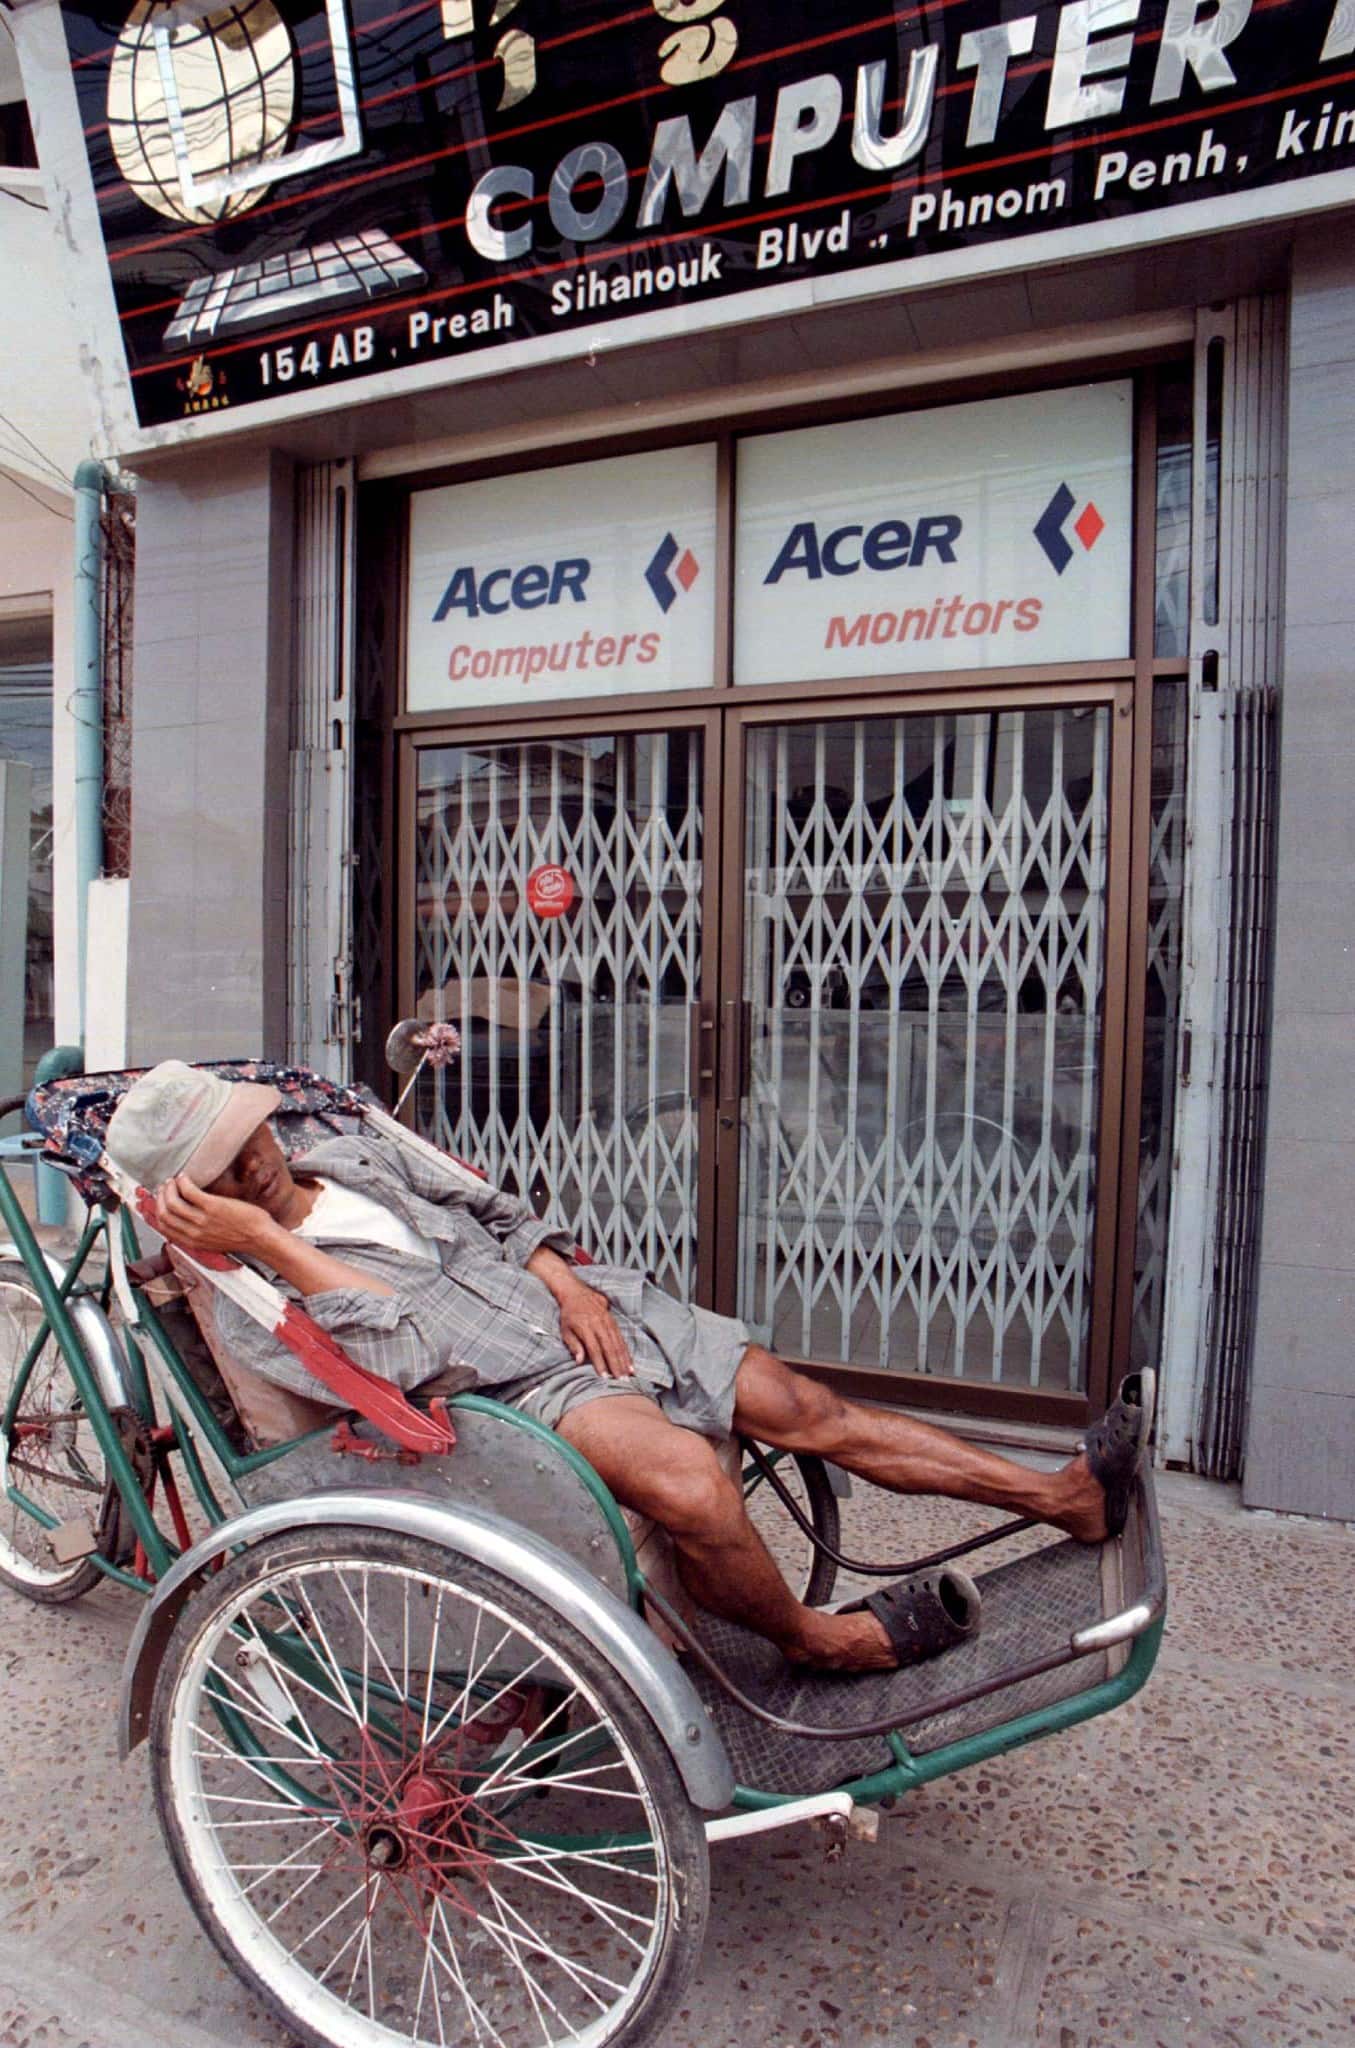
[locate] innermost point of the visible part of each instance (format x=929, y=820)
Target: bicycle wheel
x=411, y=1804
x=810, y=1575
x=50, y=1454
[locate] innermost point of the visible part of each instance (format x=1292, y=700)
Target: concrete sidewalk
x=1180, y=1873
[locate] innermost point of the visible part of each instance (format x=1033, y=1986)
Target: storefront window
x=26, y=735
x=985, y=536
x=590, y=581
x=868, y=1050
x=1175, y=483
x=1174, y=444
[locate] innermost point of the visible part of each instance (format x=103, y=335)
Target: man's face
x=259, y=1174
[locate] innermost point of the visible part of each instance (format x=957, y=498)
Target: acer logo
x=523, y=590
x=892, y=544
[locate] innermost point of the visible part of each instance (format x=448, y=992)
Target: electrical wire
x=57, y=471
x=40, y=452
x=10, y=478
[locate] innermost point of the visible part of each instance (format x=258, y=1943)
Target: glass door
x=920, y=1087
x=559, y=890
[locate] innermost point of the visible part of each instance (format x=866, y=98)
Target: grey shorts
x=686, y=1359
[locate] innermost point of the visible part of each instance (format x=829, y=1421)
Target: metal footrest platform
x=1030, y=1609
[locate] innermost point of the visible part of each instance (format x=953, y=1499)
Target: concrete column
x=207, y=942
x=1301, y=1438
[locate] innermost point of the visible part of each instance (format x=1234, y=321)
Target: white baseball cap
x=182, y=1119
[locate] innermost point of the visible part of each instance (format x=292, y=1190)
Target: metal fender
x=107, y=1360
x=635, y=1653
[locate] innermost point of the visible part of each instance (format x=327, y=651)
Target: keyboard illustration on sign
x=363, y=266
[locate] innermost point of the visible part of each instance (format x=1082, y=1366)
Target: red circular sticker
x=550, y=891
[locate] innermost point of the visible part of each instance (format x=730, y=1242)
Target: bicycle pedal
x=72, y=1540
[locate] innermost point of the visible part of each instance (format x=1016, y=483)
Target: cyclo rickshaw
x=439, y=1747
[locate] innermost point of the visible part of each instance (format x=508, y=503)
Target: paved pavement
x=1179, y=1875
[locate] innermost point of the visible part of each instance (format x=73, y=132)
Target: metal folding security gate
x=805, y=1016
x=577, y=1009
x=1238, y=472
x=925, y=923
x=320, y=1022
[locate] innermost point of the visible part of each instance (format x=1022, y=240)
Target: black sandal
x=927, y=1613
x=1116, y=1446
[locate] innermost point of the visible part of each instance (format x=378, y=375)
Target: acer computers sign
x=297, y=196
x=579, y=582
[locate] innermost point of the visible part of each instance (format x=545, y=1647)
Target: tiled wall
x=1301, y=1440
x=209, y=760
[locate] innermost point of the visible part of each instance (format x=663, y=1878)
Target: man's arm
x=213, y=1223
x=377, y=1322
x=590, y=1330
x=510, y=1222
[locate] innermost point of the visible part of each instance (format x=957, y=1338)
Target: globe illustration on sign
x=234, y=77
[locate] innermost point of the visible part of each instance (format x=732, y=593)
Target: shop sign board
x=991, y=535
x=297, y=196
x=577, y=582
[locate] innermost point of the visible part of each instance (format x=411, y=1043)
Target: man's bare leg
x=779, y=1406
x=674, y=1477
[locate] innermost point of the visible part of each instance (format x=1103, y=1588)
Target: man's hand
x=592, y=1333
x=201, y=1222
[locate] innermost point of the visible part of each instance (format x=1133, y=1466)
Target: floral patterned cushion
x=73, y=1113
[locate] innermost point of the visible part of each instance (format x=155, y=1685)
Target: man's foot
x=1085, y=1515
x=1098, y=1482
x=842, y=1642
x=906, y=1622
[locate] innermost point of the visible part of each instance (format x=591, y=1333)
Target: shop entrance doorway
x=817, y=1015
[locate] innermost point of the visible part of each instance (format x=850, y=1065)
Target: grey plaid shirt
x=481, y=1314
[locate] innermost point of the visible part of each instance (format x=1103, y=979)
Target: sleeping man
x=441, y=1287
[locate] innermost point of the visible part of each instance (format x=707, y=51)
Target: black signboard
x=298, y=195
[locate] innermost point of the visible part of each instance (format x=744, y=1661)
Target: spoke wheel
x=410, y=1804
x=50, y=1454
x=810, y=1575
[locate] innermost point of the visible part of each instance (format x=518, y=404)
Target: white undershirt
x=342, y=1215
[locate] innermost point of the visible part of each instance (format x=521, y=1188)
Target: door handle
x=734, y=1049
x=701, y=1048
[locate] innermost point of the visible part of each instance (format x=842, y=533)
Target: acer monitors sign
x=297, y=194
x=992, y=535
x=579, y=582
